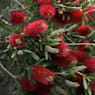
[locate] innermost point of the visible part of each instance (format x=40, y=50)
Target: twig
x=70, y=40
x=64, y=6
x=61, y=30
x=72, y=44
x=61, y=73
x=78, y=36
x=6, y=22
x=83, y=75
x=10, y=74
x=19, y=3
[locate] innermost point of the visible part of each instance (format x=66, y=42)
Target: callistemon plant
x=51, y=45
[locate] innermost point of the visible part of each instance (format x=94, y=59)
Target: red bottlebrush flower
x=16, y=41
x=47, y=11
x=83, y=30
x=76, y=16
x=35, y=28
x=43, y=75
x=60, y=37
x=42, y=91
x=18, y=18
x=91, y=12
x=90, y=64
x=83, y=47
x=27, y=85
x=63, y=61
x=80, y=55
x=58, y=19
x=44, y=1
x=92, y=85
x=63, y=48
x=71, y=58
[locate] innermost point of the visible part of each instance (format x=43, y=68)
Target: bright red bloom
x=42, y=75
x=76, y=16
x=83, y=47
x=44, y=1
x=42, y=91
x=62, y=46
x=83, y=30
x=47, y=11
x=59, y=20
x=63, y=49
x=91, y=12
x=60, y=37
x=92, y=85
x=16, y=41
x=27, y=85
x=35, y=28
x=18, y=18
x=63, y=61
x=80, y=55
x=90, y=64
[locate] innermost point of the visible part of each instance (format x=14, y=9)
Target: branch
x=78, y=36
x=64, y=6
x=19, y=3
x=60, y=73
x=10, y=74
x=61, y=30
x=72, y=44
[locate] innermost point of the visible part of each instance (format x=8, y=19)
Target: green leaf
x=53, y=43
x=89, y=30
x=83, y=20
x=85, y=83
x=35, y=56
x=46, y=54
x=91, y=74
x=51, y=49
x=13, y=54
x=79, y=68
x=8, y=47
x=63, y=17
x=89, y=91
x=27, y=51
x=61, y=91
x=93, y=20
x=71, y=27
x=71, y=84
x=70, y=66
x=29, y=75
x=53, y=91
